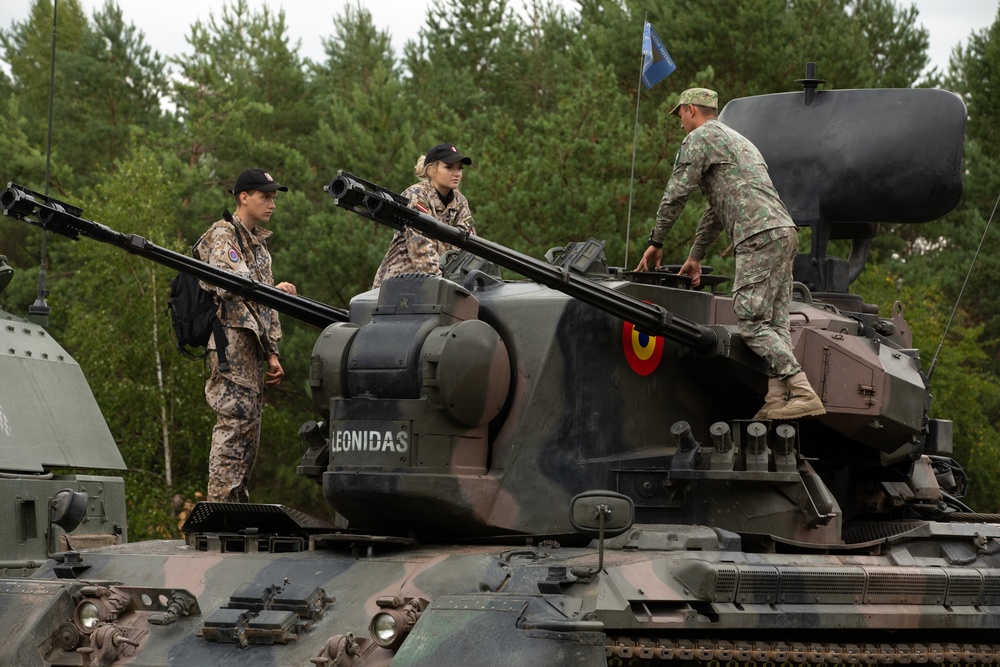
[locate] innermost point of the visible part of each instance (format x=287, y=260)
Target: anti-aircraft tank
x=52, y=436
x=561, y=470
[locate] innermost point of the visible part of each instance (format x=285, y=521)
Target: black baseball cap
x=446, y=153
x=256, y=179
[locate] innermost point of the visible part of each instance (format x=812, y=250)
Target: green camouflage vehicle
x=51, y=426
x=561, y=469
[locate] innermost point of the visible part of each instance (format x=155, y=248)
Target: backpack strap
x=228, y=217
x=220, y=344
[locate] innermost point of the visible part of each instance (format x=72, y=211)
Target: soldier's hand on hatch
x=692, y=267
x=650, y=259
x=275, y=372
x=287, y=288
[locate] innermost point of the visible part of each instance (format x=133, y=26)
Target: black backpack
x=193, y=314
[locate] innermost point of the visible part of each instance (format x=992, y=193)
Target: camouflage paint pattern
x=252, y=334
x=220, y=248
x=495, y=605
x=411, y=252
x=235, y=436
x=742, y=200
x=733, y=176
x=762, y=296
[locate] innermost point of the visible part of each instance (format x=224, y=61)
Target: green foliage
x=113, y=307
x=896, y=45
x=243, y=100
x=108, y=83
x=964, y=387
x=544, y=101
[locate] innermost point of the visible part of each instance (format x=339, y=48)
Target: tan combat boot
x=802, y=400
x=776, y=397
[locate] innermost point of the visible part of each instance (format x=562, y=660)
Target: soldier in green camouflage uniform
x=440, y=172
x=742, y=200
x=235, y=389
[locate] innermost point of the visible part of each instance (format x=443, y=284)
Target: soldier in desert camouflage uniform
x=236, y=384
x=440, y=172
x=742, y=200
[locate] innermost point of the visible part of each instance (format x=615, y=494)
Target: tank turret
x=617, y=378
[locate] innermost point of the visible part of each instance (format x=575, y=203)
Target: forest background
x=546, y=104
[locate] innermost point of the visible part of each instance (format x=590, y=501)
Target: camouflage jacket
x=412, y=252
x=733, y=175
x=253, y=330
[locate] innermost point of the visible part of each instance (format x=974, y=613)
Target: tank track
x=632, y=652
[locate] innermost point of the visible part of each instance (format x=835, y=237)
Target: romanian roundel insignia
x=233, y=255
x=642, y=351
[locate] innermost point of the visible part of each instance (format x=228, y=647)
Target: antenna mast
x=930, y=370
x=39, y=311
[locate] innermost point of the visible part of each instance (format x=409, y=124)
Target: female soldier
x=440, y=172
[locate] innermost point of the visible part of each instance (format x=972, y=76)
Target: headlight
x=394, y=620
x=88, y=616
x=384, y=628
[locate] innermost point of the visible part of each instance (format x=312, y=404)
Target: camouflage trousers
x=235, y=438
x=762, y=296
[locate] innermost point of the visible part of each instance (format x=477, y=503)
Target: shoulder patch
x=234, y=256
x=421, y=207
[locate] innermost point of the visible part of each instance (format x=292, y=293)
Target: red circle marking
x=642, y=351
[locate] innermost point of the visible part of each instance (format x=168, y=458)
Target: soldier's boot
x=802, y=400
x=777, y=396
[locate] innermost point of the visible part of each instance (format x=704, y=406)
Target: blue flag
x=656, y=62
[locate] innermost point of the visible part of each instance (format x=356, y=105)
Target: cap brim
x=456, y=157
x=675, y=110
x=270, y=187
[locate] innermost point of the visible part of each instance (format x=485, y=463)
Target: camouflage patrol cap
x=702, y=97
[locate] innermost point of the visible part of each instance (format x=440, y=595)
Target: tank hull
x=663, y=592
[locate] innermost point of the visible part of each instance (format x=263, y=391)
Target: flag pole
x=635, y=136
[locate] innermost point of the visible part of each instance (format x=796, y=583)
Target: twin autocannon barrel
x=62, y=218
x=391, y=209
x=383, y=206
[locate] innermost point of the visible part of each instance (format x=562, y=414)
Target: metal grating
x=209, y=517
x=757, y=584
x=965, y=587
x=991, y=588
x=897, y=585
x=726, y=579
x=877, y=531
x=826, y=584
x=810, y=585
